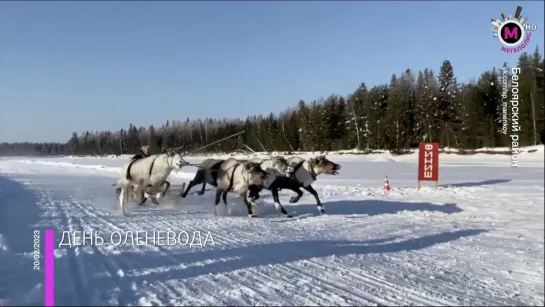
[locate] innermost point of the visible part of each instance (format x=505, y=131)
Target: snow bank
x=532, y=156
x=476, y=239
x=446, y=150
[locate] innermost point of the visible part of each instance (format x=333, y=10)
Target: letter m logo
x=508, y=33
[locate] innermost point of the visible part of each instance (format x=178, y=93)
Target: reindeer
x=148, y=173
x=305, y=172
x=208, y=171
x=237, y=176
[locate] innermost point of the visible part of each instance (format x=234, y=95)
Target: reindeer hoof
x=252, y=215
x=200, y=193
x=294, y=199
x=322, y=211
x=288, y=216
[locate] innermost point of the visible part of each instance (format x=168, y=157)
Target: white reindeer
x=274, y=166
x=146, y=173
x=237, y=176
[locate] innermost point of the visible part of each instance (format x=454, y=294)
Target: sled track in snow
x=245, y=285
x=263, y=262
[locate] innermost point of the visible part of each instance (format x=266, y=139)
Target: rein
x=200, y=166
x=151, y=165
x=232, y=179
x=210, y=144
x=169, y=162
x=311, y=170
x=195, y=165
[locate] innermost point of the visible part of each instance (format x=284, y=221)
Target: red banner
x=428, y=162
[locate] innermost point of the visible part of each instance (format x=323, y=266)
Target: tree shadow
x=221, y=261
x=475, y=183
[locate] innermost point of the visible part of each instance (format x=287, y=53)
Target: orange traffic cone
x=386, y=184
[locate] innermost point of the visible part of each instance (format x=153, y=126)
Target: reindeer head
x=321, y=165
x=146, y=150
x=281, y=166
x=174, y=159
x=256, y=175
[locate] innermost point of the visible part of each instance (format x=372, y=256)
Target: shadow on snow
x=369, y=207
x=375, y=207
x=238, y=258
x=19, y=217
x=475, y=184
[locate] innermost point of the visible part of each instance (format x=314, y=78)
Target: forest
x=413, y=107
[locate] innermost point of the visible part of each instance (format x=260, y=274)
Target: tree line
x=412, y=107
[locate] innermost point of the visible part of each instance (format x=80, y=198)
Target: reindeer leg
x=122, y=199
x=159, y=195
x=217, y=201
x=189, y=186
x=293, y=185
x=248, y=206
x=142, y=197
x=151, y=198
x=311, y=190
x=296, y=198
x=162, y=194
x=201, y=192
x=253, y=192
x=138, y=192
x=196, y=180
x=277, y=203
x=224, y=198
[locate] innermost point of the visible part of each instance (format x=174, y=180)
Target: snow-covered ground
x=477, y=239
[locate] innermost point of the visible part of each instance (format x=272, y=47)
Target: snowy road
x=477, y=239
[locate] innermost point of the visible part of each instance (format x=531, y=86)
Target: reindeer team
x=244, y=177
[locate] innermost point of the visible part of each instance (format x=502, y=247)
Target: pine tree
x=305, y=126
x=420, y=109
x=489, y=93
x=525, y=82
x=393, y=132
x=538, y=92
x=340, y=125
x=74, y=143
x=448, y=103
x=395, y=116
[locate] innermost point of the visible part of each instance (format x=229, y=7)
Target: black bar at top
x=517, y=13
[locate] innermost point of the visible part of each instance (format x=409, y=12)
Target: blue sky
x=75, y=66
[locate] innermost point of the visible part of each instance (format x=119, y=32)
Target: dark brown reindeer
x=305, y=173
